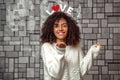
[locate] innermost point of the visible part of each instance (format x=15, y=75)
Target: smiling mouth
x=61, y=33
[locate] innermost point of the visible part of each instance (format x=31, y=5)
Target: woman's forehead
x=60, y=19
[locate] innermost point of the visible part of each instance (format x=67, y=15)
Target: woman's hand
x=61, y=44
x=98, y=44
x=95, y=49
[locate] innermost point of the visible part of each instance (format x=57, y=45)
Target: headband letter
x=70, y=9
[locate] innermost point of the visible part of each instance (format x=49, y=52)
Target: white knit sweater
x=66, y=63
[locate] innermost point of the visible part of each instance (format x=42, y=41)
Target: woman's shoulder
x=46, y=44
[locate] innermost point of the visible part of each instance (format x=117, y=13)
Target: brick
x=90, y=3
x=116, y=0
x=87, y=13
x=96, y=77
x=26, y=41
x=85, y=21
x=1, y=33
x=3, y=15
x=100, y=15
x=90, y=36
x=92, y=25
x=2, y=54
x=31, y=24
x=11, y=65
x=75, y=4
x=8, y=48
x=34, y=37
x=30, y=72
x=104, y=70
x=16, y=75
x=88, y=77
x=22, y=33
x=113, y=67
x=116, y=30
x=1, y=48
x=15, y=38
x=37, y=75
x=8, y=32
x=116, y=39
x=111, y=25
x=2, y=63
x=87, y=30
x=109, y=54
x=8, y=76
x=117, y=56
x=37, y=1
x=37, y=10
x=22, y=69
x=1, y=26
x=104, y=23
x=37, y=65
x=22, y=65
x=37, y=48
x=15, y=42
x=32, y=60
x=116, y=9
x=27, y=53
x=94, y=21
x=26, y=48
x=105, y=77
x=9, y=1
x=117, y=25
x=1, y=1
x=116, y=47
x=100, y=1
x=95, y=30
x=116, y=77
x=23, y=59
x=2, y=6
x=31, y=65
x=7, y=38
x=113, y=19
x=34, y=43
x=108, y=7
x=71, y=3
x=110, y=41
x=105, y=33
x=12, y=54
x=103, y=41
x=100, y=62
x=113, y=72
x=17, y=48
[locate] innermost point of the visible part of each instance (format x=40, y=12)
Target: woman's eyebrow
x=64, y=24
x=61, y=24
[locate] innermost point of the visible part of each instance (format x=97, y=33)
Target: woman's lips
x=60, y=33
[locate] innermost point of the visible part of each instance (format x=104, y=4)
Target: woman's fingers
x=61, y=44
x=99, y=44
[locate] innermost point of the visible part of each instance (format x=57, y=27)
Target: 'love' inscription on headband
x=60, y=7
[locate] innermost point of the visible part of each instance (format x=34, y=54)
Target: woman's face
x=60, y=29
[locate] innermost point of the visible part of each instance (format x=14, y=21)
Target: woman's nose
x=60, y=28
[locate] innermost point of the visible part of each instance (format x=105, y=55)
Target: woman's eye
x=64, y=25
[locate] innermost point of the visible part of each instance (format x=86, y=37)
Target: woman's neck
x=58, y=40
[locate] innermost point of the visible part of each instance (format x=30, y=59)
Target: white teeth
x=60, y=33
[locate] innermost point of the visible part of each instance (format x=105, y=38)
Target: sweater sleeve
x=53, y=59
x=86, y=61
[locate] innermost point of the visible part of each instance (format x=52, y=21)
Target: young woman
x=61, y=52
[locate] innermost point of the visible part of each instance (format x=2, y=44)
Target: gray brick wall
x=20, y=24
